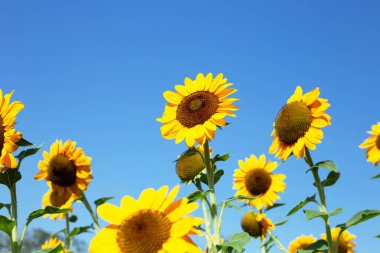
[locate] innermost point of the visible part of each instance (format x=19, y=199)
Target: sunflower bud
x=250, y=225
x=190, y=164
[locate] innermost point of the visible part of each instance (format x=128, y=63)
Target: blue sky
x=95, y=72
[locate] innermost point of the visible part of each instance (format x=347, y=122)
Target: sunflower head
x=8, y=135
x=298, y=124
x=153, y=223
x=65, y=168
x=256, y=224
x=52, y=243
x=255, y=178
x=345, y=243
x=62, y=200
x=301, y=242
x=372, y=144
x=195, y=110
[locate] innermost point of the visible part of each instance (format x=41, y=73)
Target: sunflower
x=8, y=135
x=256, y=224
x=52, y=243
x=63, y=201
x=301, y=242
x=298, y=124
x=255, y=178
x=65, y=168
x=373, y=145
x=346, y=243
x=196, y=109
x=153, y=223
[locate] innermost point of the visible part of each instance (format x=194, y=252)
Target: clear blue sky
x=95, y=71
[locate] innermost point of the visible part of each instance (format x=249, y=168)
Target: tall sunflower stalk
x=192, y=115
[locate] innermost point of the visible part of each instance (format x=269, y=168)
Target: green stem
x=14, y=242
x=263, y=249
x=322, y=198
x=89, y=209
x=221, y=214
x=22, y=237
x=210, y=179
x=278, y=243
x=68, y=241
x=206, y=216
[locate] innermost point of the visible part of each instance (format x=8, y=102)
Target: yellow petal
x=172, y=97
x=111, y=213
x=297, y=96
x=105, y=241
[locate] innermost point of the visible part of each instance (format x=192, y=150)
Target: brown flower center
x=58, y=201
x=342, y=247
x=62, y=171
x=378, y=142
x=197, y=108
x=2, y=137
x=292, y=122
x=189, y=166
x=258, y=181
x=250, y=225
x=146, y=231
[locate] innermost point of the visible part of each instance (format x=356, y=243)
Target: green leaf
x=318, y=246
x=280, y=223
x=222, y=158
x=336, y=211
x=9, y=177
x=301, y=204
x=7, y=206
x=57, y=249
x=188, y=152
x=235, y=241
x=203, y=179
x=275, y=205
x=331, y=179
x=229, y=205
x=47, y=210
x=79, y=230
x=218, y=174
x=63, y=230
x=101, y=201
x=377, y=236
x=26, y=153
x=6, y=225
x=377, y=176
x=240, y=197
x=195, y=196
x=311, y=214
x=327, y=165
x=359, y=218
x=23, y=143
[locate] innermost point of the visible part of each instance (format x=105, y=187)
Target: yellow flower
x=373, y=145
x=346, y=243
x=256, y=224
x=153, y=223
x=301, y=242
x=196, y=109
x=65, y=168
x=53, y=243
x=298, y=124
x=64, y=201
x=255, y=178
x=8, y=135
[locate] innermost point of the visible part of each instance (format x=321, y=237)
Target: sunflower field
x=163, y=129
